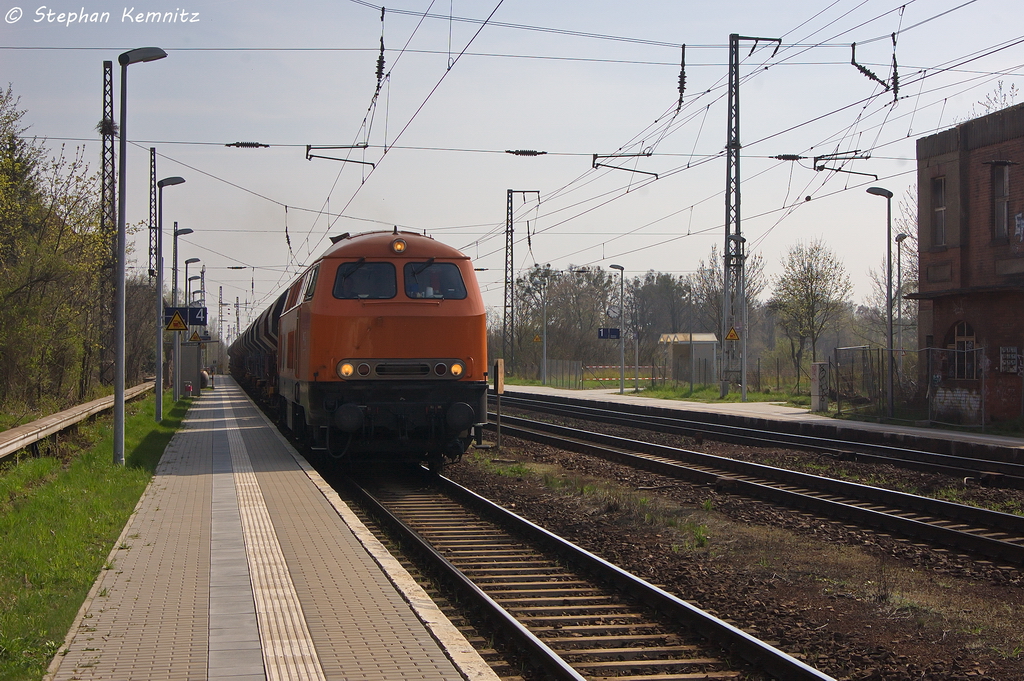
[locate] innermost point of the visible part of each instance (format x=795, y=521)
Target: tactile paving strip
x=287, y=647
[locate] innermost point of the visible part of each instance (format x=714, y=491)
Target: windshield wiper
x=349, y=268
x=416, y=271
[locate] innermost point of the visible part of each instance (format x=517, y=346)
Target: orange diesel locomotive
x=378, y=350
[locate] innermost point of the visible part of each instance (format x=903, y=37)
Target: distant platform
x=797, y=419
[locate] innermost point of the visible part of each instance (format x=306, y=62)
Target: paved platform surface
x=773, y=411
x=241, y=563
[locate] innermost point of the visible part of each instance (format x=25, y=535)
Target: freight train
x=378, y=351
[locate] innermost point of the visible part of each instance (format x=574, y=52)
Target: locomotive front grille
x=389, y=369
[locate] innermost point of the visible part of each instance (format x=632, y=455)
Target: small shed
x=691, y=356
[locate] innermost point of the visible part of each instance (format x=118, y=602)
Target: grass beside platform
x=59, y=519
x=711, y=394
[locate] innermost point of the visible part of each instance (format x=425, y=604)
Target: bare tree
x=706, y=284
x=811, y=293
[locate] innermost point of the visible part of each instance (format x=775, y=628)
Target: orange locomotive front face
x=382, y=345
x=420, y=303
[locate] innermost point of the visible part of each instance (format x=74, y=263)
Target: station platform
x=785, y=418
x=241, y=563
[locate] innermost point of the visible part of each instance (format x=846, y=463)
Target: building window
x=938, y=211
x=964, y=364
x=1000, y=200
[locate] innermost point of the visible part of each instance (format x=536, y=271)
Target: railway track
x=993, y=535
x=1003, y=472
x=572, y=614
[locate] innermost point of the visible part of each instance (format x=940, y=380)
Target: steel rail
x=540, y=653
x=764, y=483
x=733, y=640
x=988, y=471
x=751, y=649
x=16, y=439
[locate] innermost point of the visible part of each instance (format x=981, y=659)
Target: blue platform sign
x=193, y=316
x=608, y=334
x=197, y=316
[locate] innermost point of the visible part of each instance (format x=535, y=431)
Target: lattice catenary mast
x=734, y=304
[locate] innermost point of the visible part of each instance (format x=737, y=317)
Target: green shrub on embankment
x=59, y=519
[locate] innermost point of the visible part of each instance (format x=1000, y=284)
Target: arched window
x=964, y=364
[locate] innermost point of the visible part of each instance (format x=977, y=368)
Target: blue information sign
x=193, y=316
x=608, y=334
x=197, y=316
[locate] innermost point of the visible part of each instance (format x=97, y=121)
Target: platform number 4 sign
x=197, y=316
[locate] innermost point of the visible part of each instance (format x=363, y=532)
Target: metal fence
x=856, y=379
x=956, y=385
x=562, y=373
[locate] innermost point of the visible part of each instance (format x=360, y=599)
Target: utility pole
x=734, y=304
x=153, y=264
x=508, y=323
x=108, y=214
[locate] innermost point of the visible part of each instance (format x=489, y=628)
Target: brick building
x=971, y=239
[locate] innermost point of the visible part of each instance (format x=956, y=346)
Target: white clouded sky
x=288, y=75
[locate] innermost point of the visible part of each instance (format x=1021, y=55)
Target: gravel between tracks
x=851, y=602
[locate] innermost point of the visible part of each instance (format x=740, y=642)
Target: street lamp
x=544, y=281
x=189, y=293
x=544, y=353
x=622, y=331
x=899, y=295
x=166, y=182
x=879, y=191
x=129, y=57
x=176, y=380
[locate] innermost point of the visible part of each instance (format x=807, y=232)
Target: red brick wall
x=985, y=286
x=998, y=321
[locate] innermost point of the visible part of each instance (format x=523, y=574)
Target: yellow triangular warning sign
x=195, y=337
x=732, y=335
x=536, y=339
x=177, y=323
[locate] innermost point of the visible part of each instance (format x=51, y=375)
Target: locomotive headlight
x=399, y=245
x=345, y=369
x=457, y=369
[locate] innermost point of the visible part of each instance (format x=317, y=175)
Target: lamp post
x=125, y=59
x=899, y=295
x=189, y=293
x=544, y=374
x=622, y=334
x=544, y=281
x=879, y=191
x=166, y=182
x=176, y=380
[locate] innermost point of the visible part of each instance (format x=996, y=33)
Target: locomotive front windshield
x=365, y=280
x=434, y=280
